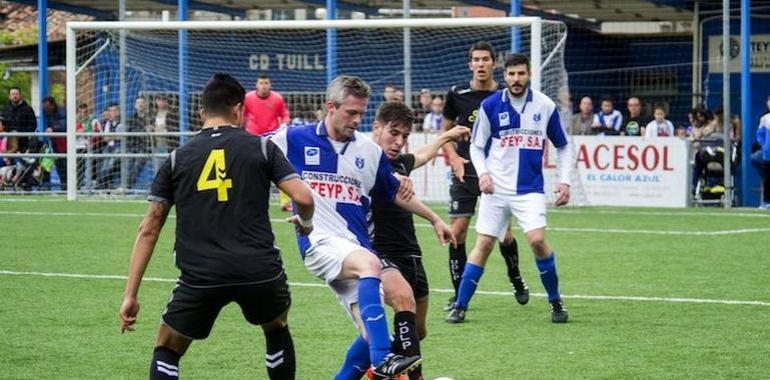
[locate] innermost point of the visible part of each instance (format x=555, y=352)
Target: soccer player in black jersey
x=461, y=109
x=220, y=184
x=392, y=230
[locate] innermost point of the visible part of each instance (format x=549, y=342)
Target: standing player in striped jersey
x=346, y=172
x=507, y=150
x=462, y=104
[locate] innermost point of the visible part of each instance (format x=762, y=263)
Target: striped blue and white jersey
x=514, y=141
x=613, y=120
x=343, y=177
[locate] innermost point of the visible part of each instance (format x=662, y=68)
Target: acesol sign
x=628, y=171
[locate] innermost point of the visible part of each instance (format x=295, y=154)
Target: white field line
x=424, y=225
x=567, y=210
x=488, y=293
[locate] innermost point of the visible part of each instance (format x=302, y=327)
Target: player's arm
x=482, y=132
x=426, y=152
x=149, y=230
x=558, y=137
x=415, y=206
x=618, y=122
x=283, y=114
x=455, y=161
x=300, y=194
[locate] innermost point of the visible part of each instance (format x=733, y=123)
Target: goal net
x=135, y=86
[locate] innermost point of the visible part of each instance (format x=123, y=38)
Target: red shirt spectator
x=264, y=110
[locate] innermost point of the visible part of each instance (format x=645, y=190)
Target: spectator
x=608, y=120
x=19, y=117
x=6, y=165
x=635, y=124
x=264, y=111
x=86, y=123
x=713, y=123
x=163, y=121
x=398, y=96
x=693, y=126
x=660, y=127
x=56, y=122
x=138, y=123
x=389, y=93
x=110, y=166
x=424, y=108
x=763, y=138
x=433, y=120
x=583, y=120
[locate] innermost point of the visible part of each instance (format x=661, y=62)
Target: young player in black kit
x=392, y=229
x=460, y=109
x=224, y=248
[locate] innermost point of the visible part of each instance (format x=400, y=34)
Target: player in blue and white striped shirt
x=507, y=146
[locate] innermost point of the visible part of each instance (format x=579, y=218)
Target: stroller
x=30, y=172
x=708, y=170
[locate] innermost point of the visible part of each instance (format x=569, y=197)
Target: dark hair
x=516, y=59
x=82, y=106
x=14, y=88
x=481, y=45
x=50, y=99
x=113, y=105
x=221, y=93
x=263, y=76
x=607, y=98
x=395, y=112
x=659, y=107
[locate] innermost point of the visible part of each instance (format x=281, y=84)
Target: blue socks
x=356, y=361
x=373, y=316
x=470, y=280
x=548, y=276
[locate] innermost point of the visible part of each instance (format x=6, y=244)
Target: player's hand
x=486, y=185
x=299, y=227
x=444, y=233
x=128, y=311
x=458, y=133
x=562, y=194
x=458, y=166
x=406, y=190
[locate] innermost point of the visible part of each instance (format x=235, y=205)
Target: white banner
x=760, y=54
x=609, y=171
x=628, y=171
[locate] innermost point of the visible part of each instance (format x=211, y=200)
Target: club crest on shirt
x=312, y=155
x=505, y=119
x=359, y=162
x=536, y=118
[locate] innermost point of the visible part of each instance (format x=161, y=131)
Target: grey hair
x=345, y=85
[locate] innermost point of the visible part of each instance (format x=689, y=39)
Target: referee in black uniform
x=461, y=108
x=224, y=248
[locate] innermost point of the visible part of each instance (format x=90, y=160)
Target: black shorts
x=463, y=197
x=413, y=271
x=191, y=312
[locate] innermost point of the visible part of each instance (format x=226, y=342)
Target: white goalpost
x=169, y=61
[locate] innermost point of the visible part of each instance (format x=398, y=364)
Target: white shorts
x=324, y=260
x=495, y=212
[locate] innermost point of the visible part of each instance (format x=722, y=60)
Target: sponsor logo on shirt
x=522, y=139
x=505, y=119
x=312, y=155
x=359, y=162
x=536, y=118
x=338, y=188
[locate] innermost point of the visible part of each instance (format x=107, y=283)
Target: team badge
x=360, y=162
x=536, y=118
x=505, y=119
x=312, y=155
